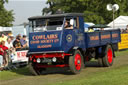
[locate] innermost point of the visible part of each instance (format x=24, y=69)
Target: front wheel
x=76, y=62
x=33, y=69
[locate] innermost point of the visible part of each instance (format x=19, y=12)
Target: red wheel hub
x=110, y=55
x=77, y=61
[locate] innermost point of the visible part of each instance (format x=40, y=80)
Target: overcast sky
x=23, y=9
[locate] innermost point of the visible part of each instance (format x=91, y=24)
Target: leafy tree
x=94, y=10
x=6, y=17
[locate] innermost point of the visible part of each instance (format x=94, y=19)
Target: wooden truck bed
x=100, y=38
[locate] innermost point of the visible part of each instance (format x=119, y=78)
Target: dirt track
x=59, y=74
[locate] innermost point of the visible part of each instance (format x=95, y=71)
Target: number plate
x=46, y=60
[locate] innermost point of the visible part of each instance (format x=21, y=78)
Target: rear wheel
x=108, y=57
x=76, y=62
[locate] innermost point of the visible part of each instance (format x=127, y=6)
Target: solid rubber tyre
x=108, y=56
x=33, y=69
x=76, y=62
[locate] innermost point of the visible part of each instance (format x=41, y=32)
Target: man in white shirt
x=9, y=43
x=10, y=47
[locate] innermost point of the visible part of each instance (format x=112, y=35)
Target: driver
x=67, y=25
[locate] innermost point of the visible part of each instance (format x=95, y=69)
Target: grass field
x=115, y=75
x=121, y=53
x=15, y=73
x=118, y=76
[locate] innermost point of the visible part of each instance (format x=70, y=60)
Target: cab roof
x=56, y=16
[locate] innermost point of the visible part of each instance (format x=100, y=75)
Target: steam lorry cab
x=52, y=44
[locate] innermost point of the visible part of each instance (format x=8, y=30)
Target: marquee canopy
x=120, y=22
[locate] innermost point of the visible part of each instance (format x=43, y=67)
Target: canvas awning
x=120, y=22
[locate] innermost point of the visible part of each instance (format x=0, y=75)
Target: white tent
x=15, y=30
x=5, y=28
x=120, y=22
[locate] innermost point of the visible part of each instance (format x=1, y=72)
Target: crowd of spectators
x=125, y=30
x=8, y=46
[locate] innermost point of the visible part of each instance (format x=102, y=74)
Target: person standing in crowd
x=23, y=41
x=3, y=52
x=127, y=29
x=9, y=43
x=17, y=44
x=3, y=37
x=1, y=59
x=12, y=39
x=19, y=35
x=10, y=46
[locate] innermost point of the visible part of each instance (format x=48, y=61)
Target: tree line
x=6, y=17
x=94, y=10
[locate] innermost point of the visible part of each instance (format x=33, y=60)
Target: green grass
x=121, y=53
x=118, y=76
x=7, y=75
x=115, y=76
